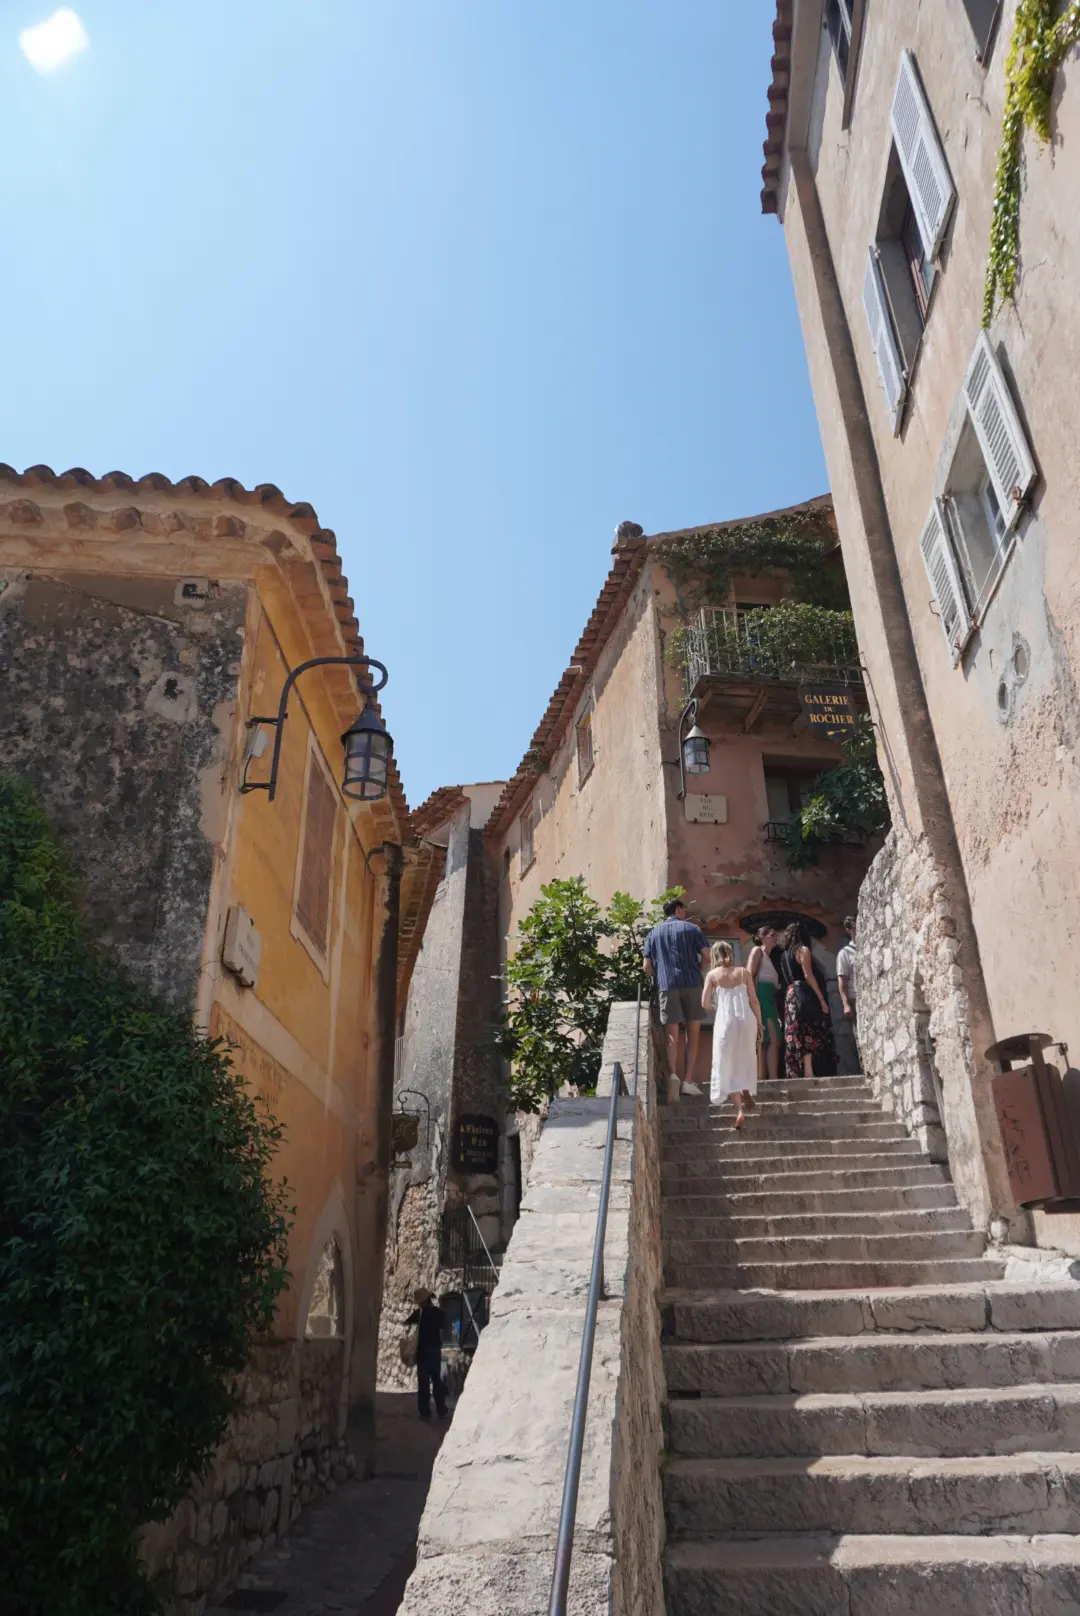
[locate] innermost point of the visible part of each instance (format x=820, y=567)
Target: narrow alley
x=353, y=1551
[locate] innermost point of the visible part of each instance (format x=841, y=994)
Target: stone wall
x=117, y=693
x=284, y=1449
x=488, y=1532
x=912, y=1007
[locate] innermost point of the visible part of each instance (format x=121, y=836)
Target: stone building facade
x=598, y=792
x=142, y=624
x=951, y=457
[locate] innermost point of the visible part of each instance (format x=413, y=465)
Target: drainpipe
x=928, y=780
x=373, y=1160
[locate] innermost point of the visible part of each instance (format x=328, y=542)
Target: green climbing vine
x=703, y=563
x=1041, y=40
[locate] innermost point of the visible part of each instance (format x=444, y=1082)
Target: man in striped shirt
x=676, y=954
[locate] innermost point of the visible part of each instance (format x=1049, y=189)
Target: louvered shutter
x=1001, y=438
x=948, y=590
x=313, y=898
x=890, y=366
x=929, y=182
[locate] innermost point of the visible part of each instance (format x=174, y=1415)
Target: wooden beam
x=755, y=711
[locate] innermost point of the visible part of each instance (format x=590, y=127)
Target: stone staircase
x=865, y=1418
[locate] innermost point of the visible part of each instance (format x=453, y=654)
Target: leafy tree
x=848, y=801
x=562, y=981
x=142, y=1247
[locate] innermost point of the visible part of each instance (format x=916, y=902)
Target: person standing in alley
x=428, y=1321
x=767, y=986
x=677, y=956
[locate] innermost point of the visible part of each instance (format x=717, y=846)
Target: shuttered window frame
x=922, y=156
x=1002, y=440
x=312, y=919
x=942, y=569
x=890, y=363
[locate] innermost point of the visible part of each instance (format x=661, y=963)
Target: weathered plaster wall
x=487, y=1536
x=117, y=695
x=1010, y=765
x=609, y=827
x=285, y=1449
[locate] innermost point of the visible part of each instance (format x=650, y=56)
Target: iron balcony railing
x=731, y=644
x=776, y=830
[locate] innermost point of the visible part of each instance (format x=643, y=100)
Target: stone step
x=810, y=1173
x=879, y=1361
x=735, y=1316
x=955, y=1421
x=823, y=1203
x=857, y=1108
x=820, y=1575
x=843, y=1274
x=826, y=1248
x=880, y=1494
x=743, y=1226
x=784, y=1088
x=758, y=1126
x=780, y=1155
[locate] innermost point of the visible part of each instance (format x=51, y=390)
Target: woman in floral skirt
x=809, y=1049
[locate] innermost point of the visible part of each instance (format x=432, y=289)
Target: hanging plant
x=704, y=563
x=1040, y=43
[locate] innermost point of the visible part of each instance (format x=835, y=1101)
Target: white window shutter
x=889, y=363
x=1001, y=438
x=921, y=156
x=941, y=565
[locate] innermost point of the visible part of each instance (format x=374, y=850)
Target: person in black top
x=809, y=1050
x=429, y=1321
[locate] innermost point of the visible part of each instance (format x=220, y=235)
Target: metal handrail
x=564, y=1545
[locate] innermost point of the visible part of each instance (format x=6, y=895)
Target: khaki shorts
x=678, y=1005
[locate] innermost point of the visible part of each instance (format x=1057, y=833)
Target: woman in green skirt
x=767, y=983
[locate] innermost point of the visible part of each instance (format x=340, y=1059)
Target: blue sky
x=476, y=278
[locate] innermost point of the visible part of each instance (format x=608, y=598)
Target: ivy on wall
x=704, y=563
x=1040, y=42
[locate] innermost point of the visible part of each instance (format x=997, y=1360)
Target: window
x=584, y=748
x=968, y=535
x=902, y=259
x=787, y=786
x=316, y=863
x=983, y=15
x=838, y=22
x=528, y=828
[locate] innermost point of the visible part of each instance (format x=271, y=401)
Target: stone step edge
x=842, y=1402
x=833, y=1466
x=850, y=1551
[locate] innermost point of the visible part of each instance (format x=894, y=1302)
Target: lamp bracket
x=278, y=723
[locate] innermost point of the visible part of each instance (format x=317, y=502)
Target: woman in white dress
x=736, y=1030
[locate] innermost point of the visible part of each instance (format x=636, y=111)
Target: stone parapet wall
x=488, y=1533
x=285, y=1448
x=913, y=1006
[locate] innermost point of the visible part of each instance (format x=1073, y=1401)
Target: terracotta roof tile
x=776, y=119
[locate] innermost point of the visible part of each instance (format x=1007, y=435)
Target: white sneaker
x=693, y=1089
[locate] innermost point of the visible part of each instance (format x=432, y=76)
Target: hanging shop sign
x=476, y=1145
x=828, y=709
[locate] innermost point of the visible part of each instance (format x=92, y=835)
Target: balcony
x=749, y=664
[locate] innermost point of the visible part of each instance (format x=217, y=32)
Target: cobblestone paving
x=352, y=1552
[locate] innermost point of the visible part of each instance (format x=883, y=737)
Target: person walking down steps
x=736, y=1031
x=677, y=955
x=428, y=1321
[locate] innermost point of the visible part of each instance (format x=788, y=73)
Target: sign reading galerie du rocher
x=828, y=709
x=476, y=1145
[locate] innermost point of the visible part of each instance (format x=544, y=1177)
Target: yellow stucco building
x=143, y=625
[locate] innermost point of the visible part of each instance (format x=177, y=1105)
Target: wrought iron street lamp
x=693, y=747
x=368, y=745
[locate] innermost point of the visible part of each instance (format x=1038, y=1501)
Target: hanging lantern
x=696, y=751
x=367, y=757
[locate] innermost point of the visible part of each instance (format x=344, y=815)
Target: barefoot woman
x=736, y=1030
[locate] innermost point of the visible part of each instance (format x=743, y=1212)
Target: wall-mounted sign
x=476, y=1145
x=241, y=948
x=828, y=709
x=705, y=808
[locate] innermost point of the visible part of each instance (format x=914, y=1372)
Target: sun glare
x=55, y=41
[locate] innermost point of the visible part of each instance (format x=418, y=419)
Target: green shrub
x=142, y=1247
x=562, y=982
